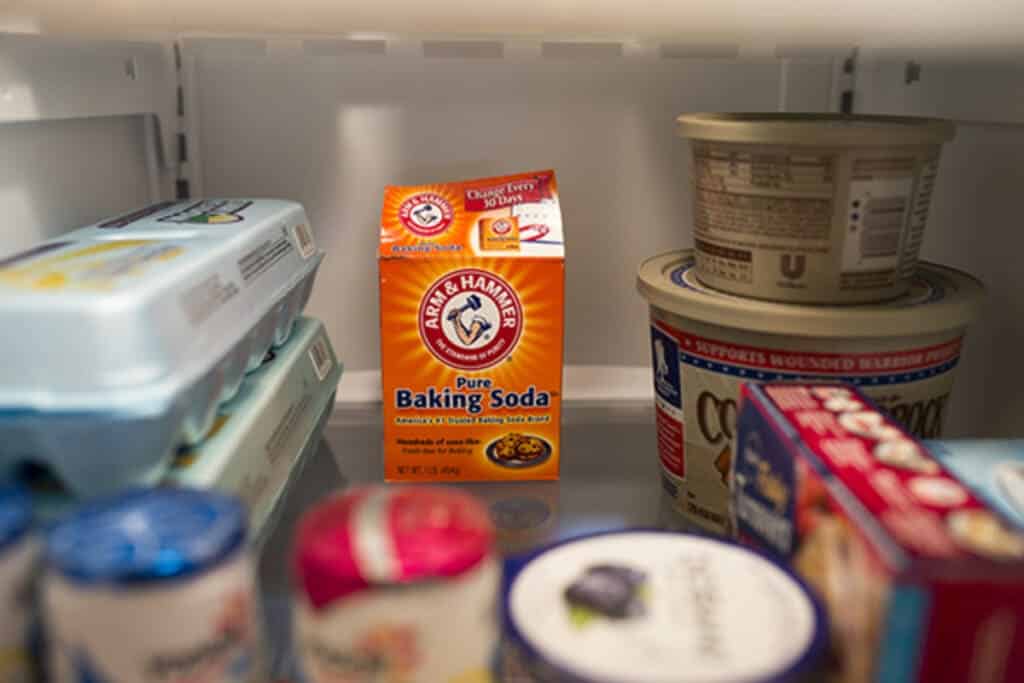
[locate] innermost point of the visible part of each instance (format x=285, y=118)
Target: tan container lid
x=816, y=130
x=940, y=299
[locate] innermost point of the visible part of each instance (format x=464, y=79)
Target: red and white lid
x=375, y=536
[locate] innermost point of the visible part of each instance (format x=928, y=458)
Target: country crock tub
x=704, y=343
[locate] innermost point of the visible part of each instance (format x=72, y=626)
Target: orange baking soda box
x=472, y=281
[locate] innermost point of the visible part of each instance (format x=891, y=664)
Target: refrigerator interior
x=91, y=127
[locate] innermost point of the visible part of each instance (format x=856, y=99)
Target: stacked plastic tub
x=124, y=338
x=807, y=229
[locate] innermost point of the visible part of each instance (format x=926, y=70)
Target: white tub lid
x=817, y=130
x=655, y=606
x=940, y=299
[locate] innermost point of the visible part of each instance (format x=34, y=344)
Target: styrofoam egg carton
x=125, y=336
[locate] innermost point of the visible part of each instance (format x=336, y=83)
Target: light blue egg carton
x=260, y=439
x=130, y=333
x=262, y=436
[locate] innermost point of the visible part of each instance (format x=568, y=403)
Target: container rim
x=951, y=300
x=815, y=129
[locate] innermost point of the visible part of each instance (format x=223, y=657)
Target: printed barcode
x=321, y=358
x=305, y=240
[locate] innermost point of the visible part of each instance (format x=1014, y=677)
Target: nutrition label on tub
x=741, y=193
x=771, y=223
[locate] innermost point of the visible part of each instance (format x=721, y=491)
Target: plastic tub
x=131, y=332
x=152, y=585
x=811, y=208
x=658, y=607
x=704, y=343
x=395, y=584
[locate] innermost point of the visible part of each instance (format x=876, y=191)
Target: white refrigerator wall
x=976, y=226
x=330, y=123
x=56, y=175
x=975, y=222
x=333, y=131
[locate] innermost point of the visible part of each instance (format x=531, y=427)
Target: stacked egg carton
x=141, y=335
x=807, y=229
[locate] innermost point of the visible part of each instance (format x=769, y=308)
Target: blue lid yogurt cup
x=147, y=535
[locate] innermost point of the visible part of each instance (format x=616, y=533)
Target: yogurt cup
x=705, y=343
x=811, y=208
x=656, y=606
x=396, y=584
x=153, y=585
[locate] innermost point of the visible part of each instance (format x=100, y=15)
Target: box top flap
x=513, y=216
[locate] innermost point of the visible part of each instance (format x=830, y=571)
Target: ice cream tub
x=133, y=331
x=705, y=343
x=811, y=208
x=658, y=607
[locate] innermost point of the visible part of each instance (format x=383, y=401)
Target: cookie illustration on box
x=1009, y=478
x=608, y=591
x=984, y=534
x=519, y=450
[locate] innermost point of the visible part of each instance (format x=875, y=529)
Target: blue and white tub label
x=913, y=383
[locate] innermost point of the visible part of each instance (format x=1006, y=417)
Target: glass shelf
x=609, y=480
